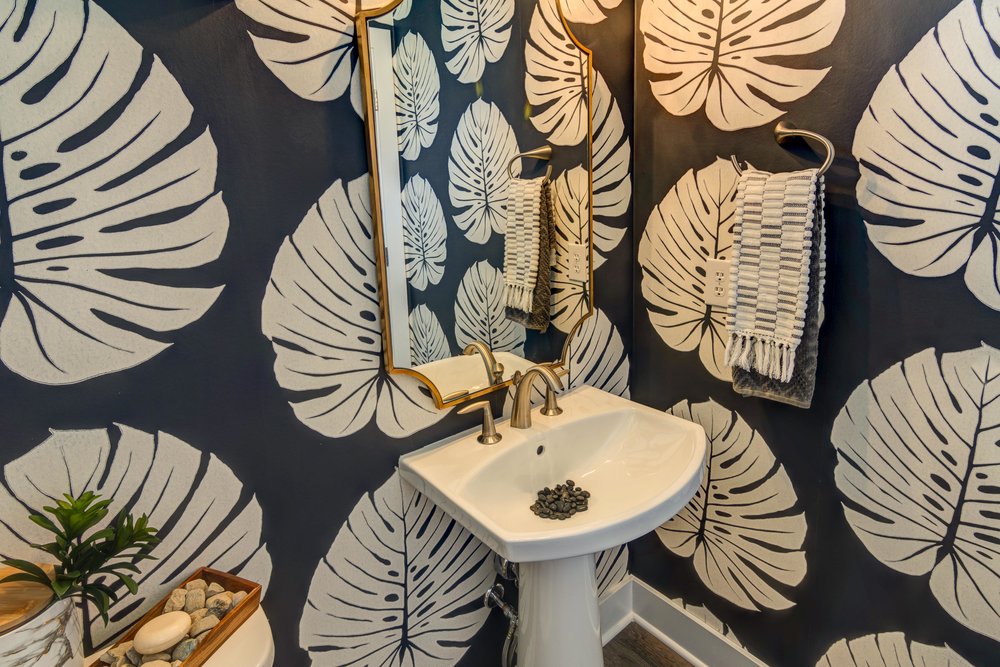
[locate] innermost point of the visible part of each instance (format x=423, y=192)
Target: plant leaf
x=483, y=145
x=744, y=528
x=425, y=234
x=321, y=314
x=889, y=649
x=87, y=216
x=918, y=468
x=207, y=515
x=555, y=79
x=400, y=586
x=427, y=339
x=929, y=154
x=418, y=95
x=597, y=356
x=728, y=57
x=477, y=32
x=316, y=56
x=612, y=172
x=570, y=297
x=587, y=11
x=480, y=313
x=693, y=224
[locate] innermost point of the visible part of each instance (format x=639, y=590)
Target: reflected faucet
x=494, y=370
x=520, y=417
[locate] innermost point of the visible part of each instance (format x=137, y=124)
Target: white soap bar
x=162, y=633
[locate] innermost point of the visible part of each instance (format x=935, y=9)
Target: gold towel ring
x=786, y=130
x=543, y=153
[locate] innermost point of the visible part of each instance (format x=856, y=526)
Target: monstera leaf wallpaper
x=189, y=315
x=865, y=528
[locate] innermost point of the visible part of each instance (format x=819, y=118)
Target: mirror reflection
x=481, y=152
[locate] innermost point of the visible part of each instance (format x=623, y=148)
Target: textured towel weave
x=800, y=389
x=523, y=241
x=777, y=215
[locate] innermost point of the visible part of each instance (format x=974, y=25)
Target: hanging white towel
x=521, y=248
x=777, y=215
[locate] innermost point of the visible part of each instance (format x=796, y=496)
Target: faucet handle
x=489, y=436
x=551, y=408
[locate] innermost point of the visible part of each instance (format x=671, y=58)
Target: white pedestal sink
x=641, y=467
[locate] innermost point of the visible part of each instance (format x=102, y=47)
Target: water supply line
x=494, y=598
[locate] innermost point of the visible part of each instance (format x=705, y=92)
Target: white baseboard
x=635, y=601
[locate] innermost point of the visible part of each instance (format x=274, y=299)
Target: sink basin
x=641, y=467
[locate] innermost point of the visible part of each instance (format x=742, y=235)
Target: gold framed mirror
x=452, y=119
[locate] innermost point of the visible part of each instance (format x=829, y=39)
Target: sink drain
x=562, y=502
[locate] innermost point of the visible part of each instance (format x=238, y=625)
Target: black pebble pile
x=561, y=502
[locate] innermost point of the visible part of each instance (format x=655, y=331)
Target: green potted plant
x=87, y=560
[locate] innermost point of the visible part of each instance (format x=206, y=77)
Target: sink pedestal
x=559, y=621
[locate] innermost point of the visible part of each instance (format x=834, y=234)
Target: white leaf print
x=477, y=169
x=693, y=224
x=612, y=175
x=51, y=639
x=929, y=154
x=108, y=193
x=424, y=234
x=399, y=587
x=205, y=515
x=597, y=356
x=704, y=616
x=612, y=568
x=427, y=339
x=570, y=297
x=587, y=11
x=418, y=95
x=889, y=649
x=321, y=313
x=555, y=78
x=728, y=57
x=316, y=60
x=480, y=313
x=919, y=469
x=744, y=528
x=477, y=32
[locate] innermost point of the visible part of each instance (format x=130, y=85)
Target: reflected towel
x=528, y=253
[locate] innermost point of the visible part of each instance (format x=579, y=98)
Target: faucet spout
x=520, y=417
x=494, y=370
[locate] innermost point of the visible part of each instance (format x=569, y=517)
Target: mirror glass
x=451, y=101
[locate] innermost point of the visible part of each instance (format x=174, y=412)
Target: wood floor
x=634, y=647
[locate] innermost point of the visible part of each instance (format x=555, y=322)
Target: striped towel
x=528, y=202
x=773, y=255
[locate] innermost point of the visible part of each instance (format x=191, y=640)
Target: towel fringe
x=769, y=357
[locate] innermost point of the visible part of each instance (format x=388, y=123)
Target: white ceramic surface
x=250, y=646
x=468, y=372
x=640, y=465
x=54, y=638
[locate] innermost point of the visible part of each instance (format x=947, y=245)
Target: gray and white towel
x=777, y=280
x=527, y=252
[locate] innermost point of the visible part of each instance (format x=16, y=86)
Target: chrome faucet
x=494, y=370
x=520, y=417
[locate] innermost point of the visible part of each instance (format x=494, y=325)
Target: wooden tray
x=217, y=635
